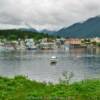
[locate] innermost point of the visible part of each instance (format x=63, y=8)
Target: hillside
x=89, y=28
x=45, y=31
x=14, y=34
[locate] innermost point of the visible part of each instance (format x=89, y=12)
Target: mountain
x=29, y=29
x=15, y=34
x=45, y=31
x=88, y=28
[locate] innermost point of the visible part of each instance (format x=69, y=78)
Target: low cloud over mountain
x=49, y=14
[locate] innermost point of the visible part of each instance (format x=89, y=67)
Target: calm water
x=84, y=63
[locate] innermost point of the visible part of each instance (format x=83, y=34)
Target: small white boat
x=53, y=60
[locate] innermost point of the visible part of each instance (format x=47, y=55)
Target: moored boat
x=53, y=60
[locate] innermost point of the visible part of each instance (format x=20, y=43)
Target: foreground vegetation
x=21, y=88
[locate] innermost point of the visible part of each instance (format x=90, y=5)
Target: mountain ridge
x=88, y=28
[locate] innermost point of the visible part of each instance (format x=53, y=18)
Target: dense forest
x=15, y=34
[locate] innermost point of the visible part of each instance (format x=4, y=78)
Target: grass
x=21, y=88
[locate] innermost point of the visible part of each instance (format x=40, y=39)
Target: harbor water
x=35, y=64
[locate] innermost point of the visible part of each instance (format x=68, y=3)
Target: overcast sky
x=50, y=14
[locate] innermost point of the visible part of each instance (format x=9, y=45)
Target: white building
x=30, y=44
x=97, y=39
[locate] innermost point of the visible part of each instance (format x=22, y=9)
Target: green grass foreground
x=21, y=88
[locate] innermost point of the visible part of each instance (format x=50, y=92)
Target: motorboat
x=53, y=60
x=32, y=48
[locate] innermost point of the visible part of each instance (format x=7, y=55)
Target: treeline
x=15, y=34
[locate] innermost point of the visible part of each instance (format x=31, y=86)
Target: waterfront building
x=97, y=40
x=75, y=42
x=30, y=44
x=47, y=44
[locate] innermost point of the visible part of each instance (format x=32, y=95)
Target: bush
x=21, y=88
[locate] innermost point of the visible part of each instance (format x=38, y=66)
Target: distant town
x=48, y=43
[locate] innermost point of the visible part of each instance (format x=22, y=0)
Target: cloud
x=50, y=14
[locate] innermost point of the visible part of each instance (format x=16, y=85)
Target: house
x=97, y=40
x=73, y=42
x=47, y=44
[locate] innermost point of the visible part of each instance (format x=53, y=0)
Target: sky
x=46, y=14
